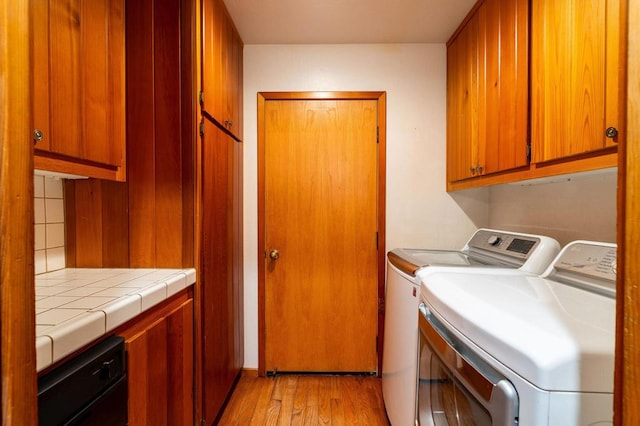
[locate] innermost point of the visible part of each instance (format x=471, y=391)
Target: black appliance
x=90, y=389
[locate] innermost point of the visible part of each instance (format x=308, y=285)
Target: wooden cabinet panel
x=506, y=88
x=221, y=68
x=78, y=86
x=487, y=91
x=463, y=101
x=221, y=273
x=577, y=68
x=160, y=370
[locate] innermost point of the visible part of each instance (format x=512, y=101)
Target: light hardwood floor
x=306, y=400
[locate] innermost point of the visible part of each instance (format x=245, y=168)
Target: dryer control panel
x=588, y=264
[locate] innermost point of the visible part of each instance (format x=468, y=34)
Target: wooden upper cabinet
x=487, y=91
x=78, y=81
x=463, y=91
x=506, y=76
x=221, y=68
x=578, y=68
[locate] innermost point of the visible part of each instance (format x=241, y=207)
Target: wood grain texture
x=462, y=101
x=297, y=400
x=80, y=102
x=89, y=224
x=168, y=127
x=17, y=311
x=221, y=289
x=263, y=98
x=627, y=372
x=571, y=56
x=180, y=359
x=160, y=364
x=487, y=91
x=221, y=68
x=321, y=215
x=97, y=221
x=141, y=137
x=506, y=83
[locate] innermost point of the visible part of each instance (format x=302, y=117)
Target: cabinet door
x=576, y=68
x=78, y=80
x=221, y=286
x=213, y=59
x=487, y=91
x=506, y=85
x=463, y=91
x=222, y=68
x=160, y=370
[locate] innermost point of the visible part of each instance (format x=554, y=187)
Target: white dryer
x=486, y=249
x=503, y=349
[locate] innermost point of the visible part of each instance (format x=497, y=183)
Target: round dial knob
x=494, y=240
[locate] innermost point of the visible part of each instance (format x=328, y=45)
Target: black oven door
x=455, y=386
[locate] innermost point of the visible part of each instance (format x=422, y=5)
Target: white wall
x=567, y=208
x=419, y=211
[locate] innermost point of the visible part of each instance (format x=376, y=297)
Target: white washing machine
x=487, y=249
x=501, y=349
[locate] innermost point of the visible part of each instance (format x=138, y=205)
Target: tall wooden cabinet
x=221, y=97
x=576, y=77
x=487, y=91
x=222, y=295
x=78, y=81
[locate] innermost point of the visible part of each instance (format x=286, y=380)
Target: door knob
x=274, y=254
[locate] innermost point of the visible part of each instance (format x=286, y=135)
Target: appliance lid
x=410, y=261
x=558, y=337
x=485, y=248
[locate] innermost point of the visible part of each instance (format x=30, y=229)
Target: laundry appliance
x=505, y=349
x=487, y=249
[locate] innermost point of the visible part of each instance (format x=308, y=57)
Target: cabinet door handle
x=611, y=132
x=479, y=169
x=37, y=136
x=472, y=170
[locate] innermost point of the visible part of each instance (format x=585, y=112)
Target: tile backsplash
x=49, y=223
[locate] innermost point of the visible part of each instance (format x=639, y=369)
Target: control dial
x=494, y=240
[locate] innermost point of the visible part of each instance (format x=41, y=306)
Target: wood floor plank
x=300, y=401
x=263, y=402
x=324, y=401
x=272, y=414
x=306, y=400
x=288, y=399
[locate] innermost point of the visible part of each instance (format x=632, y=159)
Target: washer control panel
x=501, y=243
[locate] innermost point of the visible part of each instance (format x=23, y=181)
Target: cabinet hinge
x=203, y=422
x=528, y=152
x=201, y=98
x=377, y=134
x=201, y=127
x=377, y=240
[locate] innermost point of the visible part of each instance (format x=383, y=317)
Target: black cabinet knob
x=611, y=132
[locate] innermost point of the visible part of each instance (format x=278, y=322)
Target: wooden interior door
x=320, y=215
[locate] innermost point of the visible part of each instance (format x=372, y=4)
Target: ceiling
x=346, y=21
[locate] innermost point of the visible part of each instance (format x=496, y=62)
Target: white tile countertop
x=77, y=306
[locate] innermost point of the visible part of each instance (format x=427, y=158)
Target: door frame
x=381, y=98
